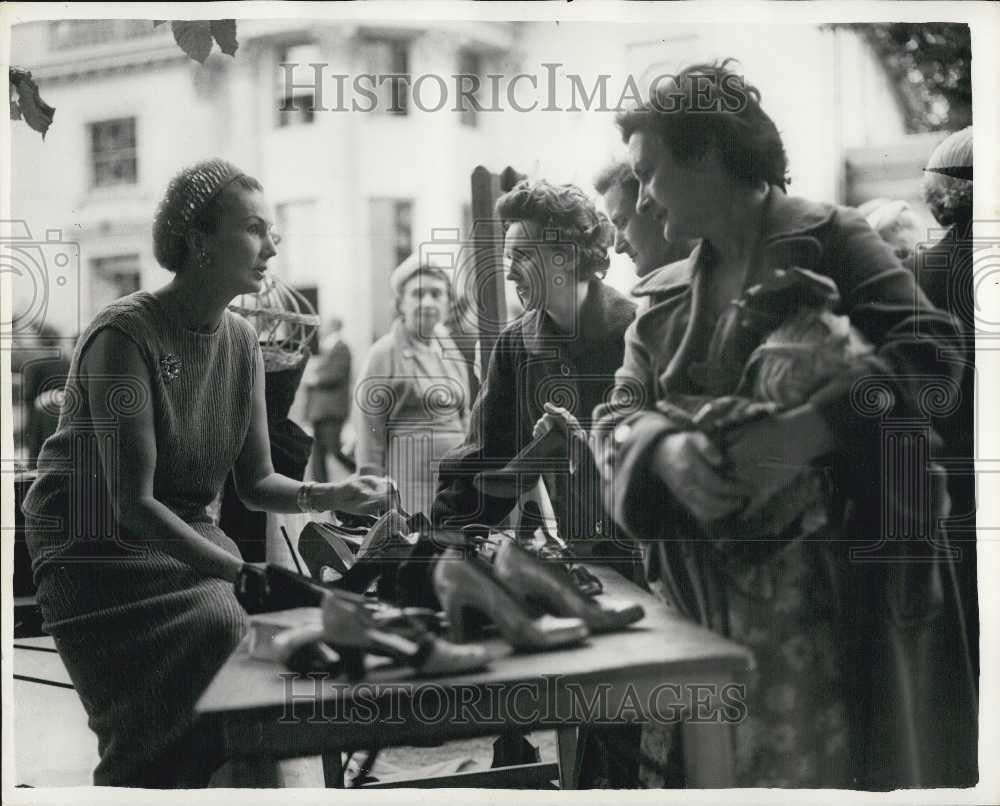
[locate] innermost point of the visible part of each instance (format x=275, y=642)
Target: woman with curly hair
x=552, y=365
x=165, y=396
x=549, y=369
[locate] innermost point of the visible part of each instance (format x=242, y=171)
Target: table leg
x=566, y=746
x=708, y=756
x=333, y=770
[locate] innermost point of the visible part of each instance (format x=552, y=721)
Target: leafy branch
x=195, y=37
x=25, y=102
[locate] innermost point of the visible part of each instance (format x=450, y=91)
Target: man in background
x=328, y=401
x=637, y=234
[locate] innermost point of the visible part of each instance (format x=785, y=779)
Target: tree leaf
x=224, y=32
x=35, y=112
x=194, y=38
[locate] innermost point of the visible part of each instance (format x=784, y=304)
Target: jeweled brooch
x=170, y=367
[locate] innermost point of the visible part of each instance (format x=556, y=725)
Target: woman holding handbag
x=745, y=442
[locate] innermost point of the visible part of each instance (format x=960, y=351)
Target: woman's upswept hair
x=569, y=211
x=710, y=105
x=193, y=200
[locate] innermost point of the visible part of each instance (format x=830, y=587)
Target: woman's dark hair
x=568, y=210
x=710, y=105
x=194, y=199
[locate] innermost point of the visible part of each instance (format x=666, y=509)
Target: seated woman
x=701, y=495
x=413, y=392
x=165, y=395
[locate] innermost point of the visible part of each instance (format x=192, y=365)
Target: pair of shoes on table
x=352, y=627
x=534, y=605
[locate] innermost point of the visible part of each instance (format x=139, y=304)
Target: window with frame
x=296, y=100
x=470, y=64
x=389, y=61
x=112, y=278
x=113, y=153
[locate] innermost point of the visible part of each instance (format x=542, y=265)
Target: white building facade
x=355, y=192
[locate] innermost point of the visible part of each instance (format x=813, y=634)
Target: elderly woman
x=731, y=536
x=413, y=393
x=165, y=395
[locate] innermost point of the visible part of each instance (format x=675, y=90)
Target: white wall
x=826, y=93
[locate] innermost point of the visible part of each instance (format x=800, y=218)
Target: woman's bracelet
x=304, y=497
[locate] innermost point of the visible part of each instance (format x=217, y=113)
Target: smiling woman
x=165, y=396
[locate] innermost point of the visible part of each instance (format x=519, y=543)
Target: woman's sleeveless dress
x=141, y=633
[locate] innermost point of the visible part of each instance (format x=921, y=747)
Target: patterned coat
x=836, y=639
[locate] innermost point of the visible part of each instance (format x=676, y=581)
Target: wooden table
x=662, y=666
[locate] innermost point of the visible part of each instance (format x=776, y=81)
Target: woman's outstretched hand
x=560, y=418
x=360, y=495
x=692, y=466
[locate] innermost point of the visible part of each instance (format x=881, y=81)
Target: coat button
x=622, y=433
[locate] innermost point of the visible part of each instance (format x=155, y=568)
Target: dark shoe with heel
x=539, y=582
x=352, y=629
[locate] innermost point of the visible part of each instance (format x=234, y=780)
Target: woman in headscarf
x=165, y=396
x=413, y=392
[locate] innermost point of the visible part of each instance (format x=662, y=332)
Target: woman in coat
x=833, y=635
x=413, y=392
x=549, y=369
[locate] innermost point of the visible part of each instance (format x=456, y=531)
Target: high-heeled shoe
x=538, y=581
x=321, y=545
x=384, y=547
x=466, y=584
x=353, y=629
